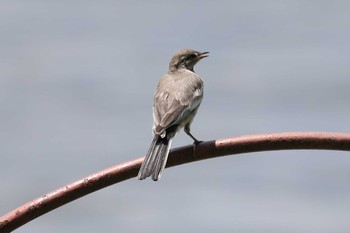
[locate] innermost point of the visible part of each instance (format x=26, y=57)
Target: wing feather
x=176, y=98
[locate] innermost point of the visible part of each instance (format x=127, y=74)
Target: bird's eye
x=191, y=56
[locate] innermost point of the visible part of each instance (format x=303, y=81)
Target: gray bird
x=176, y=101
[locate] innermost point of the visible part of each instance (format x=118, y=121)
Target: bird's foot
x=194, y=145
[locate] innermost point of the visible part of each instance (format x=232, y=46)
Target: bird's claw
x=194, y=145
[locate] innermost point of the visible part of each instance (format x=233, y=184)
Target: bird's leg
x=195, y=141
x=187, y=131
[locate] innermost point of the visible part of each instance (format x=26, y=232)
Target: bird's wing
x=166, y=111
x=175, y=100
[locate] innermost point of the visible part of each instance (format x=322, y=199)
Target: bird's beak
x=203, y=55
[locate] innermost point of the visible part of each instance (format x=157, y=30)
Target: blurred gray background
x=76, y=85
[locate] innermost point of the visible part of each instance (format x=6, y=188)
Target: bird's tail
x=156, y=158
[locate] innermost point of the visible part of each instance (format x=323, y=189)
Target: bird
x=176, y=101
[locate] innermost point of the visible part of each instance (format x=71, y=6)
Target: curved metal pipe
x=205, y=150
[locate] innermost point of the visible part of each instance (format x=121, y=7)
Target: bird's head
x=186, y=58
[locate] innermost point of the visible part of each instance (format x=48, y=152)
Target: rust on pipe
x=205, y=150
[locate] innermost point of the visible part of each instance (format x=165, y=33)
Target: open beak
x=203, y=55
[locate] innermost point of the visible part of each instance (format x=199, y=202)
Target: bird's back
x=178, y=93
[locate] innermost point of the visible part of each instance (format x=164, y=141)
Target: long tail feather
x=156, y=158
x=162, y=158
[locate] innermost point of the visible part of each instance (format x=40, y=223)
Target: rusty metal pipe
x=205, y=150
